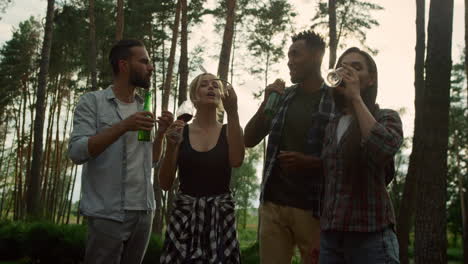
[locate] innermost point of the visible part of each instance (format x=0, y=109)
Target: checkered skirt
x=202, y=230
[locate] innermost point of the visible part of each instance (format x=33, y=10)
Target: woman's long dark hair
x=354, y=162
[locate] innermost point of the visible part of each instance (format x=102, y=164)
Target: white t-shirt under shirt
x=343, y=125
x=135, y=194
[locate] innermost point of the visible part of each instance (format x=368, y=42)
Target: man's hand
x=297, y=162
x=278, y=86
x=164, y=121
x=139, y=121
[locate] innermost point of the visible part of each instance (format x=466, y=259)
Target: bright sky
x=394, y=38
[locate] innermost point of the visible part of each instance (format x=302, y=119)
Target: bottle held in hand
x=272, y=102
x=144, y=135
x=334, y=77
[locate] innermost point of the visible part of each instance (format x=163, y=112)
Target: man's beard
x=139, y=81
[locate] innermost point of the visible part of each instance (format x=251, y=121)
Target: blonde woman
x=202, y=223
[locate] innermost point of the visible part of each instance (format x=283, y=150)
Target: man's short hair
x=121, y=51
x=312, y=39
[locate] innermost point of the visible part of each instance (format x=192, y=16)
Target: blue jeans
x=357, y=247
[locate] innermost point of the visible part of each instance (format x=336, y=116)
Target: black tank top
x=204, y=173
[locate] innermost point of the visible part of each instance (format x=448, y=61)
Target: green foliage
x=353, y=20
x=251, y=254
x=457, y=160
x=269, y=26
x=11, y=240
x=247, y=236
x=396, y=187
x=154, y=250
x=19, y=61
x=244, y=184
x=244, y=8
x=196, y=11
x=44, y=242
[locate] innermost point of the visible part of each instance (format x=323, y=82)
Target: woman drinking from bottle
x=202, y=224
x=357, y=220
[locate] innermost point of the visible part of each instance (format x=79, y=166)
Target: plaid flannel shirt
x=314, y=139
x=201, y=231
x=371, y=210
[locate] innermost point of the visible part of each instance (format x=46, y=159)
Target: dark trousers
x=112, y=242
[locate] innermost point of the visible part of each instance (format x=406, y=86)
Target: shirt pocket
x=106, y=120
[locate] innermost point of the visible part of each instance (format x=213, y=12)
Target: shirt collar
x=110, y=95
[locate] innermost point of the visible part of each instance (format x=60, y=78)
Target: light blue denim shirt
x=103, y=189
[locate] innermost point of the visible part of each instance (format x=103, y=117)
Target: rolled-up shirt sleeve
x=385, y=138
x=84, y=126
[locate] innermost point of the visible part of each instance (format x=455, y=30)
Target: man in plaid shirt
x=292, y=179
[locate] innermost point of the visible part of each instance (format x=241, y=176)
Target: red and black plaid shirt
x=371, y=209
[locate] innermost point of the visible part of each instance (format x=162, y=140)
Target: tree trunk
x=228, y=35
x=175, y=186
x=22, y=137
x=7, y=194
x=158, y=222
x=66, y=186
x=332, y=32
x=54, y=197
x=119, y=26
x=225, y=55
x=430, y=228
x=5, y=184
x=233, y=54
x=466, y=57
x=157, y=225
x=171, y=194
x=405, y=219
x=34, y=181
x=17, y=189
x=92, y=46
x=183, y=62
x=70, y=202
x=170, y=67
x=47, y=174
x=463, y=209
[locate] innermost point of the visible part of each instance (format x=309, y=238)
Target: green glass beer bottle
x=272, y=101
x=144, y=135
x=270, y=106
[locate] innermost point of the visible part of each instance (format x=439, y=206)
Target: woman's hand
x=352, y=85
x=230, y=100
x=164, y=121
x=174, y=133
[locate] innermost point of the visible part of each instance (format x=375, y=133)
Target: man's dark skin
x=304, y=69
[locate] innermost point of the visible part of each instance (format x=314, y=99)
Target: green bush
x=73, y=243
x=246, y=237
x=250, y=255
x=154, y=250
x=44, y=242
x=455, y=254
x=11, y=240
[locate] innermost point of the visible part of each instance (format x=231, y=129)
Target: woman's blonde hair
x=195, y=85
